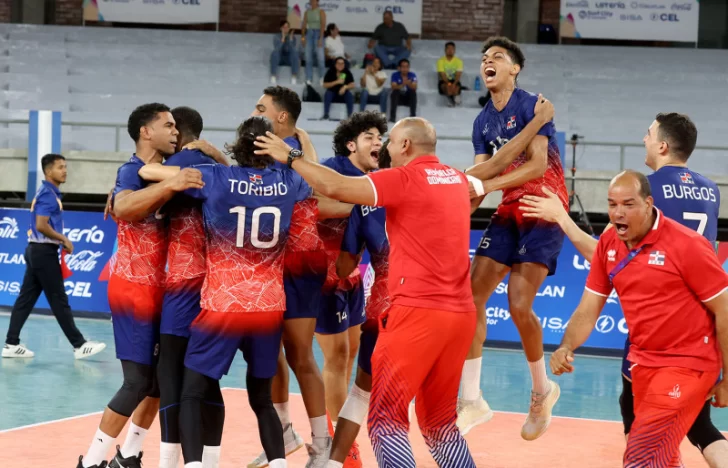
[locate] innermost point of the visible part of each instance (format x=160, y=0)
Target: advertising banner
x=361, y=15
x=152, y=11
x=640, y=20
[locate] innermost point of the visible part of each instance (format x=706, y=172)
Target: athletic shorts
x=667, y=400
x=366, y=348
x=303, y=295
x=510, y=238
x=211, y=352
x=340, y=311
x=135, y=316
x=180, y=307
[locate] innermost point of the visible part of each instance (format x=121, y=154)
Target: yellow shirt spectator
x=449, y=67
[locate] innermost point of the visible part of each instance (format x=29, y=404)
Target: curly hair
x=351, y=128
x=514, y=51
x=384, y=160
x=243, y=150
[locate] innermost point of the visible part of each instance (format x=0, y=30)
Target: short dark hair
x=282, y=23
x=385, y=159
x=49, y=160
x=403, y=61
x=329, y=29
x=449, y=43
x=188, y=121
x=514, y=51
x=142, y=116
x=286, y=100
x=680, y=133
x=243, y=150
x=351, y=128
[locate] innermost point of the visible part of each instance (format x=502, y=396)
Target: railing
x=119, y=128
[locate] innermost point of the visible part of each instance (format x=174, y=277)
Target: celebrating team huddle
x=262, y=256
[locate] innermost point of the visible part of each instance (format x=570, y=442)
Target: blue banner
x=94, y=242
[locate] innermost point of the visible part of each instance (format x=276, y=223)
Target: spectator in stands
x=334, y=47
x=404, y=90
x=387, y=40
x=372, y=83
x=338, y=83
x=449, y=69
x=284, y=52
x=312, y=37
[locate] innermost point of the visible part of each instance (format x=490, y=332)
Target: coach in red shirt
x=674, y=295
x=425, y=335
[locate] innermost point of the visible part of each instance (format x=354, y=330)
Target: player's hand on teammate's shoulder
x=719, y=394
x=273, y=146
x=544, y=109
x=548, y=208
x=206, y=147
x=561, y=361
x=187, y=178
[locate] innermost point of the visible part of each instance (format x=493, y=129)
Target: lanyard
x=621, y=265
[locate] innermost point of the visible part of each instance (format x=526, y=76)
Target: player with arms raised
x=511, y=123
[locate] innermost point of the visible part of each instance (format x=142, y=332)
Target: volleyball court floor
x=51, y=406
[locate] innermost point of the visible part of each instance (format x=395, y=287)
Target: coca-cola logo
x=83, y=260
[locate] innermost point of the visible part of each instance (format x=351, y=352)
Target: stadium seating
x=606, y=94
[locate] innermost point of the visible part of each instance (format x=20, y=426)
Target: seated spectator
x=312, y=38
x=404, y=90
x=449, y=69
x=372, y=84
x=334, y=47
x=284, y=52
x=338, y=83
x=388, y=38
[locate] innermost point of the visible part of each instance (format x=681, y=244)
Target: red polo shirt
x=428, y=226
x=662, y=291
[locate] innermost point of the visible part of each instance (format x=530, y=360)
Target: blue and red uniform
x=510, y=238
x=247, y=215
x=366, y=227
x=136, y=283
x=185, y=254
x=342, y=304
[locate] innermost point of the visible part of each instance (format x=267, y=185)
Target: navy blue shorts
x=340, y=311
x=511, y=239
x=303, y=295
x=366, y=349
x=212, y=354
x=180, y=307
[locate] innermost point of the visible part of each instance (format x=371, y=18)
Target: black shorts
x=440, y=83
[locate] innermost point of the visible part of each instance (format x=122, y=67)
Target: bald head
x=419, y=132
x=632, y=179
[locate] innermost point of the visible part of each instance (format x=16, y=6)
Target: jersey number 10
x=255, y=226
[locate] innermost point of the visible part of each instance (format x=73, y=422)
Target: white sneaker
x=473, y=413
x=539, y=414
x=319, y=458
x=17, y=351
x=88, y=349
x=273, y=80
x=294, y=81
x=292, y=442
x=458, y=99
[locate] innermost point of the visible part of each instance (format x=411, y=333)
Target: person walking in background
x=43, y=269
x=285, y=52
x=312, y=37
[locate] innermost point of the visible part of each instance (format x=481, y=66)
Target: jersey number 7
x=702, y=219
x=255, y=226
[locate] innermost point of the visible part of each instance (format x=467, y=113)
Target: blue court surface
x=53, y=385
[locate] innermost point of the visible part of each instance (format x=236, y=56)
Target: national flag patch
x=686, y=178
x=656, y=258
x=256, y=179
x=511, y=123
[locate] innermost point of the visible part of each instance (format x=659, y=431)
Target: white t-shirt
x=334, y=46
x=372, y=83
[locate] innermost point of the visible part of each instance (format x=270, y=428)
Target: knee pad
x=703, y=432
x=356, y=407
x=135, y=388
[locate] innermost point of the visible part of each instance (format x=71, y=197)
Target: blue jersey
x=493, y=129
x=367, y=228
x=247, y=215
x=47, y=202
x=688, y=198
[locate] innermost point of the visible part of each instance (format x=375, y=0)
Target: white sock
x=282, y=410
x=210, y=456
x=99, y=448
x=538, y=376
x=194, y=465
x=319, y=427
x=169, y=455
x=334, y=464
x=278, y=463
x=470, y=381
x=134, y=441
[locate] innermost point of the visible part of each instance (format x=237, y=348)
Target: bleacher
x=98, y=75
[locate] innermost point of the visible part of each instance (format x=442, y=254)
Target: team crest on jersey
x=256, y=179
x=656, y=258
x=686, y=178
x=511, y=123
